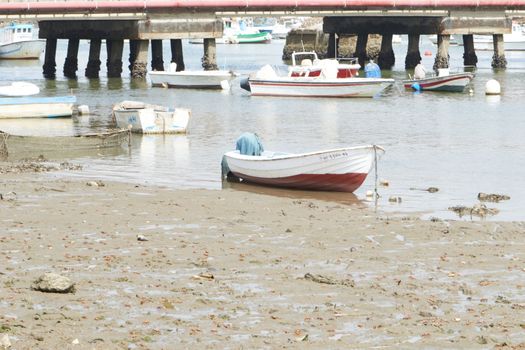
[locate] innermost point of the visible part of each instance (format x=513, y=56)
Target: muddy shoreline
x=234, y=269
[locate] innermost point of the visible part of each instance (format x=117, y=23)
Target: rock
x=384, y=182
x=142, y=238
x=53, y=283
x=75, y=342
x=9, y=196
x=328, y=280
x=480, y=210
x=492, y=197
x=5, y=343
x=96, y=183
x=432, y=189
x=481, y=340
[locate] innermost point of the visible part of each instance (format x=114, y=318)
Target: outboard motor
x=245, y=84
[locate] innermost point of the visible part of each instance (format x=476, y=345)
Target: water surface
x=462, y=143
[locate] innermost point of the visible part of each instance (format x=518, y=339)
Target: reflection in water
x=493, y=100
x=114, y=83
x=338, y=197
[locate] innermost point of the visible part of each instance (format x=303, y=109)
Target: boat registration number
x=334, y=155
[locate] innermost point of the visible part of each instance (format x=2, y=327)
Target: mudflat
x=157, y=268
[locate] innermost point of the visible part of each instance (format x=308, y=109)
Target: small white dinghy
x=210, y=79
x=341, y=170
x=19, y=89
x=151, y=119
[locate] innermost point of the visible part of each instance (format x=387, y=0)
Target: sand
x=234, y=269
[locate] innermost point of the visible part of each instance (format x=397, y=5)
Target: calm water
x=461, y=143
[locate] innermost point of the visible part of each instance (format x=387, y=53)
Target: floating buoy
x=492, y=87
x=428, y=53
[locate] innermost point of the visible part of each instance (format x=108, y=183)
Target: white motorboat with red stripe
x=455, y=82
x=342, y=169
x=315, y=78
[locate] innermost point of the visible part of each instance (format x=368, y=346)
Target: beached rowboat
x=35, y=145
x=343, y=169
x=448, y=82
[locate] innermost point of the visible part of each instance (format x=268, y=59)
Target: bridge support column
x=498, y=59
x=114, y=61
x=413, y=54
x=71, y=63
x=93, y=65
x=138, y=57
x=176, y=54
x=209, y=61
x=442, y=53
x=132, y=53
x=360, y=48
x=386, y=59
x=49, y=68
x=333, y=45
x=157, y=63
x=469, y=54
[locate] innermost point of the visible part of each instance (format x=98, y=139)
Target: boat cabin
x=16, y=32
x=312, y=66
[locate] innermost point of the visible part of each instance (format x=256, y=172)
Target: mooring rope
x=376, y=195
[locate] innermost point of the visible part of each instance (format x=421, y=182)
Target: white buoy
x=83, y=109
x=492, y=87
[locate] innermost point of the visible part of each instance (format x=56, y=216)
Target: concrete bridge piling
x=209, y=60
x=469, y=55
x=157, y=62
x=71, y=63
x=93, y=65
x=498, y=59
x=413, y=56
x=114, y=57
x=138, y=58
x=442, y=56
x=177, y=54
x=49, y=68
x=386, y=59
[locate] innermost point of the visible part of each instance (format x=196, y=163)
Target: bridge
x=154, y=20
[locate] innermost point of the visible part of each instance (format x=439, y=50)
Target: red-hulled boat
x=343, y=169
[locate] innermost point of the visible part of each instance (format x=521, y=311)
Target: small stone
x=5, y=343
x=481, y=340
x=75, y=342
x=384, y=182
x=92, y=184
x=53, y=283
x=142, y=238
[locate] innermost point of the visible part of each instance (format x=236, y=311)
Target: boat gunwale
x=286, y=156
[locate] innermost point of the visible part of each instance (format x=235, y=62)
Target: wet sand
x=233, y=269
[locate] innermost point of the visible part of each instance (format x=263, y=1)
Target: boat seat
x=306, y=62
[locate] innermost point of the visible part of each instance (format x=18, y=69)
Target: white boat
x=512, y=42
x=19, y=88
x=342, y=169
x=16, y=42
x=36, y=107
x=444, y=81
x=151, y=119
x=315, y=78
x=210, y=79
